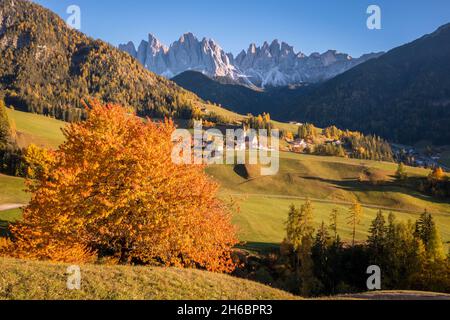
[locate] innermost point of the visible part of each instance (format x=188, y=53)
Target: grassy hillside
x=32, y=128
x=329, y=182
x=261, y=220
x=46, y=132
x=39, y=280
x=332, y=179
x=264, y=201
x=12, y=190
x=28, y=280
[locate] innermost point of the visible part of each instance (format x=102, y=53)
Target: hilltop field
x=47, y=281
x=28, y=280
x=113, y=204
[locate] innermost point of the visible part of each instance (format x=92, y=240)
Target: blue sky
x=308, y=25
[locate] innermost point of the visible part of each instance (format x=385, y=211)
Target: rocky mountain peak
x=130, y=48
x=155, y=44
x=188, y=53
x=188, y=37
x=286, y=49
x=252, y=49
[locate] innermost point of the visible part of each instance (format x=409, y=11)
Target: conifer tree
x=319, y=253
x=302, y=132
x=309, y=283
x=334, y=221
x=308, y=219
x=299, y=224
x=377, y=238
x=300, y=234
x=401, y=173
x=407, y=253
x=4, y=125
x=427, y=231
x=293, y=227
x=354, y=218
x=321, y=242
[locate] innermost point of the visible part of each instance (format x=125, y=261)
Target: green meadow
x=12, y=190
x=330, y=182
x=37, y=129
x=261, y=219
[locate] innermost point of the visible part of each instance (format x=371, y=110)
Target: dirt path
x=398, y=295
x=10, y=206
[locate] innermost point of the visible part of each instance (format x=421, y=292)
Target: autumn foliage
x=113, y=192
x=37, y=161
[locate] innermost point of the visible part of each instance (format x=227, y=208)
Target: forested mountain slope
x=403, y=95
x=47, y=67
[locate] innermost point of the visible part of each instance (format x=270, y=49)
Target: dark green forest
x=403, y=95
x=316, y=262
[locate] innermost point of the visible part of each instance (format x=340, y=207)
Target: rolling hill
x=26, y=280
x=329, y=182
x=264, y=201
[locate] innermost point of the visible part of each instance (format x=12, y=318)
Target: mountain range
x=403, y=95
x=48, y=68
x=270, y=65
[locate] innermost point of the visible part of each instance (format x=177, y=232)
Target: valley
x=401, y=95
x=95, y=177
x=330, y=182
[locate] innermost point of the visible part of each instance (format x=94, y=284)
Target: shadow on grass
x=259, y=247
x=408, y=187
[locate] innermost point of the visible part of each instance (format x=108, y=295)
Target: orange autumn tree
x=37, y=161
x=113, y=191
